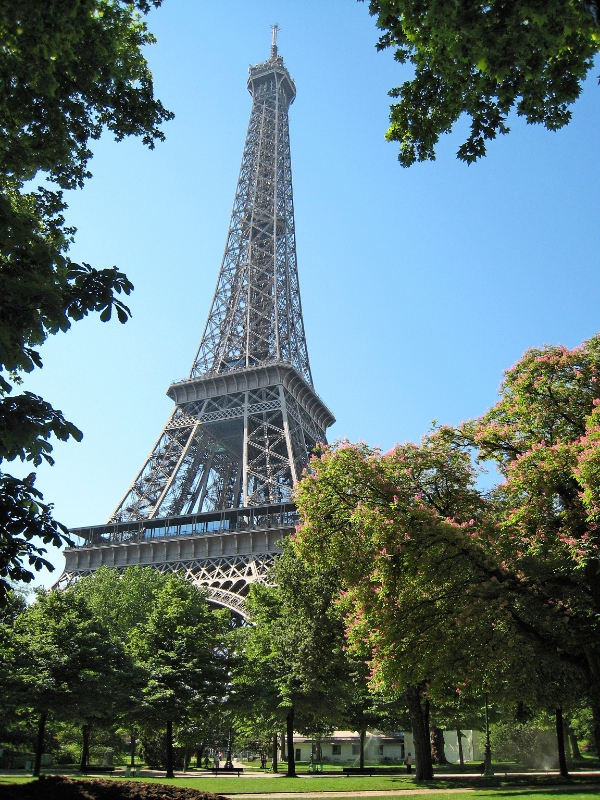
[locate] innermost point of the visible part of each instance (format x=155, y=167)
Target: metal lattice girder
x=228, y=450
x=245, y=440
x=226, y=579
x=256, y=313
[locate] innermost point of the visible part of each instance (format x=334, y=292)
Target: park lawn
x=231, y=786
x=504, y=789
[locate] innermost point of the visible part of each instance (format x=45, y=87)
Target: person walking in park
x=408, y=761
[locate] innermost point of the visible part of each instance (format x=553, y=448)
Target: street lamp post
x=488, y=770
x=228, y=763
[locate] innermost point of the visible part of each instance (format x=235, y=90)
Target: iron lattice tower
x=247, y=417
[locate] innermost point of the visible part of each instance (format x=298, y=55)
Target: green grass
x=530, y=788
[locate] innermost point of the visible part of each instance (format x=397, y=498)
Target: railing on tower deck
x=282, y=516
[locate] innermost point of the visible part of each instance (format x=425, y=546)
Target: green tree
x=121, y=600
x=484, y=60
x=291, y=664
x=181, y=648
x=58, y=661
x=70, y=70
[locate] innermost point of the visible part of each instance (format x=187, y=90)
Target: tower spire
x=275, y=28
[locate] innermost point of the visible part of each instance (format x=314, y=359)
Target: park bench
x=228, y=770
x=93, y=769
x=370, y=771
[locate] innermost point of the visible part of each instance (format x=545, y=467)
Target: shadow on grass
x=555, y=790
x=575, y=783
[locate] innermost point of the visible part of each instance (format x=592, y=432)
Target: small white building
x=343, y=747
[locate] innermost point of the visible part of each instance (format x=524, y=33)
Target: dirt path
x=335, y=793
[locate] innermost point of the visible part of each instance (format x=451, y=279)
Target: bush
x=153, y=751
x=67, y=754
x=526, y=744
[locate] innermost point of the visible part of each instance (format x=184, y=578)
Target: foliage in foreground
x=70, y=70
x=484, y=60
x=64, y=665
x=448, y=590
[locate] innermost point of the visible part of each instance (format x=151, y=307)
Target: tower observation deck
x=213, y=497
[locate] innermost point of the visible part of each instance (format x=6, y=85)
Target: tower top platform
x=272, y=71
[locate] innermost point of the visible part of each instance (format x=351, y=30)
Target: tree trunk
x=426, y=718
x=568, y=753
x=438, y=752
x=291, y=769
x=461, y=759
x=85, y=749
x=592, y=655
x=283, y=748
x=560, y=740
x=132, y=762
x=362, y=749
x=275, y=748
x=170, y=773
x=574, y=744
x=39, y=748
x=185, y=758
x=424, y=767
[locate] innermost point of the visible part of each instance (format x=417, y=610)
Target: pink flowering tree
x=544, y=435
x=425, y=597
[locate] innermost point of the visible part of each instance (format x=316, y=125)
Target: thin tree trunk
x=170, y=773
x=291, y=769
x=362, y=749
x=574, y=744
x=132, y=762
x=568, y=753
x=283, y=748
x=275, y=766
x=560, y=740
x=185, y=758
x=461, y=759
x=424, y=767
x=595, y=707
x=85, y=750
x=593, y=661
x=39, y=747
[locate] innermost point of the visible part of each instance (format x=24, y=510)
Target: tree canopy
x=180, y=647
x=58, y=659
x=544, y=436
x=484, y=60
x=70, y=69
x=429, y=591
x=290, y=667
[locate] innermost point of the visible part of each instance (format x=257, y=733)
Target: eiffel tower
x=213, y=497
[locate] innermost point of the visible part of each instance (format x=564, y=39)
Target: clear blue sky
x=419, y=286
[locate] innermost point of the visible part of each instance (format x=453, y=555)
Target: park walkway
x=336, y=794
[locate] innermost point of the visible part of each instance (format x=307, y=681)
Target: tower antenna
x=275, y=28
